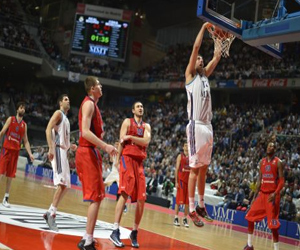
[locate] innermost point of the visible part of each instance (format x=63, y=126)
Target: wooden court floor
x=156, y=229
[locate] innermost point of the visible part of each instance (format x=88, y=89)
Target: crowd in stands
x=244, y=62
x=95, y=66
x=13, y=34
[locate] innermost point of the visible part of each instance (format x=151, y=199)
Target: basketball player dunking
x=199, y=129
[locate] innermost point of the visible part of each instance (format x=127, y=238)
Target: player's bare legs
x=8, y=184
x=7, y=189
x=115, y=236
x=249, y=245
x=200, y=209
x=59, y=194
x=192, y=188
x=138, y=213
x=138, y=216
x=92, y=217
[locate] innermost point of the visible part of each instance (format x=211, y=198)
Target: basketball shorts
x=182, y=197
x=112, y=177
x=132, y=178
x=200, y=143
x=261, y=208
x=89, y=170
x=8, y=162
x=61, y=168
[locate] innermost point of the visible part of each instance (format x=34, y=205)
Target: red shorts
x=132, y=178
x=89, y=170
x=8, y=162
x=261, y=208
x=182, y=196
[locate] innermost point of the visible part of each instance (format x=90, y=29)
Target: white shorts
x=61, y=168
x=200, y=143
x=112, y=177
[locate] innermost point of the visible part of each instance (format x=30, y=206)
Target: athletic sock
x=250, y=240
x=88, y=239
x=52, y=210
x=192, y=204
x=116, y=226
x=201, y=201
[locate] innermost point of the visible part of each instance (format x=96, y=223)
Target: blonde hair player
x=199, y=129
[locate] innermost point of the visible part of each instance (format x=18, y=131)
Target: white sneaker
x=5, y=202
x=176, y=222
x=185, y=222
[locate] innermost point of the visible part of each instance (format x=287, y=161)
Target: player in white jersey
x=199, y=129
x=114, y=175
x=58, y=138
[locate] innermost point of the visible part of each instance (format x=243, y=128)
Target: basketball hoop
x=222, y=39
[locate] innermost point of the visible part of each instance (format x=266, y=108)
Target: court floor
x=22, y=226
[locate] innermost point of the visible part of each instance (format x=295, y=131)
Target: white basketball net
x=222, y=39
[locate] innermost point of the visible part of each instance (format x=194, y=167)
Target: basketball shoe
x=185, y=222
x=176, y=222
x=81, y=246
x=248, y=248
x=115, y=238
x=133, y=238
x=195, y=218
x=50, y=220
x=201, y=211
x=5, y=202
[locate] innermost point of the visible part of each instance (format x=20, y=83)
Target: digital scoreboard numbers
x=100, y=37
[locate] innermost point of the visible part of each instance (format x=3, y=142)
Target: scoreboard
x=98, y=36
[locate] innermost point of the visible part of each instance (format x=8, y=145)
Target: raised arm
x=190, y=71
x=210, y=67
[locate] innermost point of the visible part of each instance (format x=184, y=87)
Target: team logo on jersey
x=140, y=131
x=17, y=128
x=268, y=168
x=69, y=224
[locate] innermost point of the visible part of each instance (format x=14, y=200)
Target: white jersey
x=61, y=133
x=199, y=100
x=60, y=163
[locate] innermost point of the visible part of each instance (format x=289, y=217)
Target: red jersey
x=130, y=148
x=14, y=134
x=184, y=169
x=269, y=172
x=96, y=124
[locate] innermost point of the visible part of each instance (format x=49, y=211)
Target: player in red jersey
x=14, y=129
x=88, y=158
x=135, y=136
x=182, y=174
x=267, y=201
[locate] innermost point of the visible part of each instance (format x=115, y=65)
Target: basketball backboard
x=244, y=19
